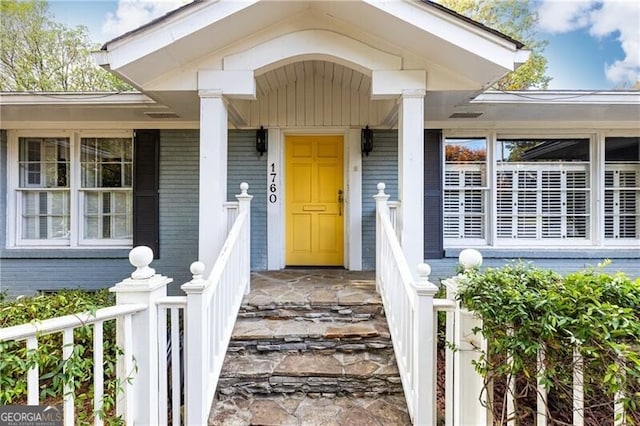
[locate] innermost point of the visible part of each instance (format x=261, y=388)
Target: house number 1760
x=272, y=186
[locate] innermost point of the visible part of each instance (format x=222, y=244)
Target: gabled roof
x=431, y=3
x=457, y=52
x=473, y=22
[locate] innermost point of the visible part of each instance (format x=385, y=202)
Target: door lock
x=340, y=200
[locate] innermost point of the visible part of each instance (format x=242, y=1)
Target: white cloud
x=559, y=16
x=132, y=14
x=621, y=18
x=601, y=18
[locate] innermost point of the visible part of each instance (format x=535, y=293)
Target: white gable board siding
x=380, y=166
x=313, y=94
x=246, y=165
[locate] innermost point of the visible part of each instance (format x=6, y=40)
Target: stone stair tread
x=310, y=410
x=307, y=290
x=289, y=329
x=358, y=364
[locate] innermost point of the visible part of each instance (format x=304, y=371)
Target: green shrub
x=15, y=360
x=526, y=309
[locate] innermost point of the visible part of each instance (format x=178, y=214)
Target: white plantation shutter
x=464, y=201
x=540, y=201
x=622, y=201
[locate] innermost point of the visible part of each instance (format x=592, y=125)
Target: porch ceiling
x=337, y=74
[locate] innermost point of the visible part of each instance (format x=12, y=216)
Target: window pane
x=465, y=150
x=45, y=215
x=108, y=215
x=543, y=189
x=106, y=162
x=547, y=150
x=622, y=188
x=44, y=162
x=465, y=188
x=622, y=149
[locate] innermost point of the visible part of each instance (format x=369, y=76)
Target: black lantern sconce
x=261, y=140
x=366, y=139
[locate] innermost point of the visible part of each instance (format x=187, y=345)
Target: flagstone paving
x=310, y=347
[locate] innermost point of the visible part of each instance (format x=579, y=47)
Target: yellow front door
x=314, y=201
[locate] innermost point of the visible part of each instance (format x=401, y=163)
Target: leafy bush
x=77, y=371
x=526, y=310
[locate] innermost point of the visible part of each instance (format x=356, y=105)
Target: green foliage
x=516, y=19
x=55, y=373
x=39, y=54
x=526, y=309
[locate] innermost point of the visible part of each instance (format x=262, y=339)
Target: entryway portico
x=311, y=68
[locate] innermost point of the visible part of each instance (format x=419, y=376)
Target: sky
x=592, y=44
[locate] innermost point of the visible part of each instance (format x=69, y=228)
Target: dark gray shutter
x=433, y=247
x=146, y=220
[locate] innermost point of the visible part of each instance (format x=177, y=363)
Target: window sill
x=551, y=253
x=65, y=253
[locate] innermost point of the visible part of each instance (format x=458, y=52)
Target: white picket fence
x=196, y=327
x=66, y=325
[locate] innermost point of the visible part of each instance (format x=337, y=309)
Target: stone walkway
x=310, y=347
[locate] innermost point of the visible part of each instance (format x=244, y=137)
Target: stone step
x=262, y=335
x=312, y=297
x=314, y=410
x=362, y=374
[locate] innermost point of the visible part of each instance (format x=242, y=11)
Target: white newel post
x=244, y=205
x=424, y=349
x=213, y=175
x=196, y=343
x=381, y=207
x=411, y=174
x=144, y=286
x=464, y=384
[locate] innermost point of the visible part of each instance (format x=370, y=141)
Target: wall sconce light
x=366, y=139
x=261, y=140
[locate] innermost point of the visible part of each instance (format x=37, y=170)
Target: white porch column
x=411, y=174
x=213, y=176
x=411, y=86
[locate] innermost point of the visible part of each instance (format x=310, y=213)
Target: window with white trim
x=71, y=190
x=465, y=189
x=543, y=189
x=622, y=189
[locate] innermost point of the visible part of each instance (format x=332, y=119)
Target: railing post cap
x=424, y=270
x=197, y=269
x=381, y=187
x=141, y=257
x=197, y=284
x=244, y=187
x=470, y=258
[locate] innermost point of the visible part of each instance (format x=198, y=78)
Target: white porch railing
x=65, y=325
x=212, y=307
x=142, y=312
x=411, y=312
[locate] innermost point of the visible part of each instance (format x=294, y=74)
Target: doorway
x=314, y=211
